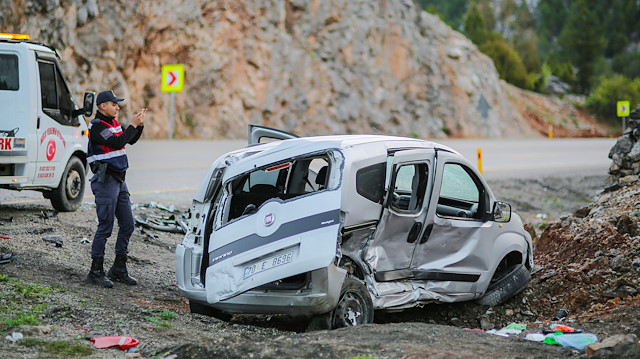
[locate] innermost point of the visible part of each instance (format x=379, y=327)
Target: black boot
x=96, y=274
x=119, y=271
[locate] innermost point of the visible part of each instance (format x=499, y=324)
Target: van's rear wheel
x=68, y=196
x=355, y=306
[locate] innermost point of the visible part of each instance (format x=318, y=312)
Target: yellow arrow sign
x=623, y=108
x=172, y=78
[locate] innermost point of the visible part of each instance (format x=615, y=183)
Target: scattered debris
x=160, y=218
x=121, y=341
x=85, y=240
x=15, y=337
x=5, y=237
x=576, y=340
x=45, y=215
x=513, y=328
x=7, y=258
x=561, y=314
x=8, y=219
x=56, y=239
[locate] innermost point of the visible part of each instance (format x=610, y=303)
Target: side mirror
x=88, y=103
x=501, y=212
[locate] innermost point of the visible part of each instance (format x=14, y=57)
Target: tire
x=355, y=306
x=197, y=308
x=68, y=196
x=507, y=286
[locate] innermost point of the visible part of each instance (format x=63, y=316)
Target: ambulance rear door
x=17, y=132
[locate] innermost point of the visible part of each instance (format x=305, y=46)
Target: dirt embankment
x=587, y=263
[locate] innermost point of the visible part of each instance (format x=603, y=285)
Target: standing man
x=109, y=163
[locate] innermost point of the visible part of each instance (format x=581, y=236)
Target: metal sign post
x=623, y=110
x=172, y=82
x=484, y=107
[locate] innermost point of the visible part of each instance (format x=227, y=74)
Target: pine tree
x=582, y=43
x=474, y=26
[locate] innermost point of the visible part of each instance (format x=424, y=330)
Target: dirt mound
x=590, y=262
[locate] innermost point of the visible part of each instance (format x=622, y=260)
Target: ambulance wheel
x=68, y=196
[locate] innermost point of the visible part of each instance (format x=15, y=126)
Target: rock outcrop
x=305, y=66
x=625, y=156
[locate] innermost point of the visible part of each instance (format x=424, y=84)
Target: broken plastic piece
x=576, y=341
x=513, y=328
x=561, y=328
x=57, y=239
x=14, y=337
x=534, y=337
x=7, y=257
x=561, y=314
x=551, y=338
x=120, y=341
x=45, y=215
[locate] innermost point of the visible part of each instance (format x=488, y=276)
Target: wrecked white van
x=335, y=227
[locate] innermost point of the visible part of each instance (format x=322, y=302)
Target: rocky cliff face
x=305, y=66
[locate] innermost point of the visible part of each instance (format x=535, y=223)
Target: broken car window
x=409, y=187
x=280, y=181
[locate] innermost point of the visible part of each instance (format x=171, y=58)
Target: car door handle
x=414, y=232
x=426, y=234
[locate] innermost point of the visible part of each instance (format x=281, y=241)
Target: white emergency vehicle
x=43, y=137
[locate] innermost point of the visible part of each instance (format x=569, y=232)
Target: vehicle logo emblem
x=51, y=150
x=269, y=219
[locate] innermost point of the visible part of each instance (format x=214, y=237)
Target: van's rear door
x=289, y=232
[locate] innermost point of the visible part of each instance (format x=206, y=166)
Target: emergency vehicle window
x=9, y=73
x=459, y=193
x=56, y=99
x=409, y=187
x=370, y=182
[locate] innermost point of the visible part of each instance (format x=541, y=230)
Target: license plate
x=12, y=143
x=268, y=263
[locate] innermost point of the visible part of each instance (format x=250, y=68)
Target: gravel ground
x=46, y=290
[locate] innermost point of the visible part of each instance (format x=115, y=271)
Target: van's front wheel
x=68, y=196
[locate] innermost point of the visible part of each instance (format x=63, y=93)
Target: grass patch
x=162, y=318
x=58, y=347
x=21, y=303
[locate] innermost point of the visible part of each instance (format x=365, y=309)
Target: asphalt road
x=171, y=171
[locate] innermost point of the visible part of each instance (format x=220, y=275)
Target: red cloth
x=107, y=342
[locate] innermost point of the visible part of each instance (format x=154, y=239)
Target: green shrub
x=508, y=62
x=602, y=103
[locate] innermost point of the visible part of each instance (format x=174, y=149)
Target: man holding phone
x=108, y=160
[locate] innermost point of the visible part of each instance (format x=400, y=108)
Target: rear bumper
x=320, y=296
